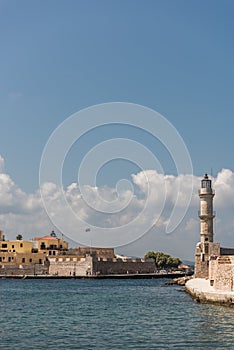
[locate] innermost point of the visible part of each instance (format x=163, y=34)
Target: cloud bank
x=24, y=213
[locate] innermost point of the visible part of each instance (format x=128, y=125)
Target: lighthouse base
x=205, y=252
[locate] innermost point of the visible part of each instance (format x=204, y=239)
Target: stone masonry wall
x=70, y=266
x=24, y=270
x=204, y=253
x=118, y=266
x=107, y=253
x=223, y=273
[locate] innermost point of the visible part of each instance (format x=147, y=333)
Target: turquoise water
x=108, y=314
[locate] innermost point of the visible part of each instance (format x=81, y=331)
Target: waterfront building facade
x=50, y=255
x=212, y=262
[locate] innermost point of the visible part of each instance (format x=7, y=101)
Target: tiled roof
x=44, y=238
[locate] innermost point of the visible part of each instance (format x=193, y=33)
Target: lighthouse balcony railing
x=205, y=188
x=207, y=214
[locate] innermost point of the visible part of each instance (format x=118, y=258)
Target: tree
x=19, y=237
x=162, y=260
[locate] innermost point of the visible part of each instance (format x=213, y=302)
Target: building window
x=40, y=261
x=9, y=259
x=30, y=260
x=206, y=248
x=4, y=245
x=49, y=252
x=13, y=246
x=0, y=258
x=21, y=245
x=23, y=260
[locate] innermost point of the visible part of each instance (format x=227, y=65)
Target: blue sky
x=58, y=57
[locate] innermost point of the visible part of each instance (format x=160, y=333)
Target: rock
x=180, y=281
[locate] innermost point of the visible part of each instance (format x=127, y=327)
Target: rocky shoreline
x=181, y=281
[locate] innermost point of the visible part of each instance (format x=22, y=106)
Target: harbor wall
x=119, y=266
x=201, y=291
x=71, y=266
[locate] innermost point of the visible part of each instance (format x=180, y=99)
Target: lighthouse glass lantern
x=206, y=182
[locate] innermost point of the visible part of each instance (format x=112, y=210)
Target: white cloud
x=24, y=213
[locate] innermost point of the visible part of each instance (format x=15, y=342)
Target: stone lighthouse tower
x=206, y=213
x=205, y=249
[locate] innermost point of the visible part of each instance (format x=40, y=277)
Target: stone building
x=49, y=255
x=21, y=257
x=212, y=262
x=83, y=261
x=49, y=244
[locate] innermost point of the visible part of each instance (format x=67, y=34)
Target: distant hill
x=188, y=262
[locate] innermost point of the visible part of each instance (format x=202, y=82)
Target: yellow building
x=49, y=245
x=9, y=258
x=20, y=257
x=16, y=246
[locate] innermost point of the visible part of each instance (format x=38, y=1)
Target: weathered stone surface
x=201, y=290
x=181, y=281
x=131, y=266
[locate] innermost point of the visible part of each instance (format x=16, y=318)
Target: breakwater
x=113, y=276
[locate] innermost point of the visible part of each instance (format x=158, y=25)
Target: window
x=12, y=246
x=30, y=260
x=40, y=261
x=23, y=260
x=9, y=259
x=206, y=183
x=21, y=245
x=0, y=258
x=4, y=245
x=206, y=248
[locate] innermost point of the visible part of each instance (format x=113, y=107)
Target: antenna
x=211, y=172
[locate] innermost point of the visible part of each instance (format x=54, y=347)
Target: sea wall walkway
x=201, y=291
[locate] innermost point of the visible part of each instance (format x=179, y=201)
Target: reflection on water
x=108, y=314
x=216, y=322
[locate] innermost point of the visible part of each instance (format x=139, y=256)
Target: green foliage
x=19, y=237
x=162, y=260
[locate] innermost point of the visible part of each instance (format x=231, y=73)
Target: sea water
x=108, y=314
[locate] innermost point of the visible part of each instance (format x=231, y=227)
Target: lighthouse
x=206, y=213
x=206, y=249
